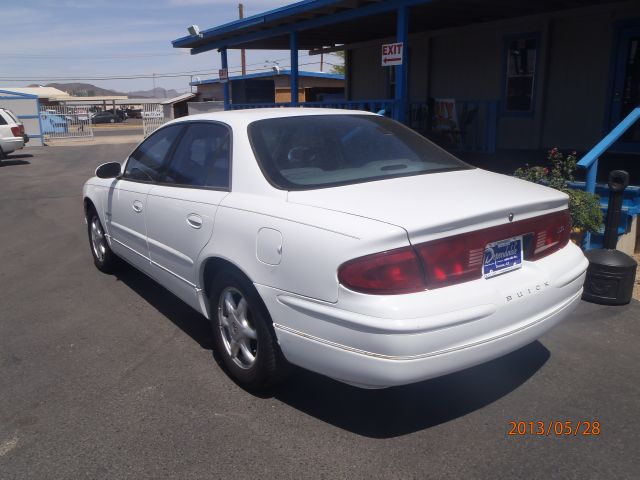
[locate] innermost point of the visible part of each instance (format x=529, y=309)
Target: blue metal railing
x=590, y=160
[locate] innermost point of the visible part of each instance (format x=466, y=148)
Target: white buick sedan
x=338, y=241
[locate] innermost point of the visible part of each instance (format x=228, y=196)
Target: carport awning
x=323, y=23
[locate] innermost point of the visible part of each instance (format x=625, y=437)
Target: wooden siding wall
x=572, y=78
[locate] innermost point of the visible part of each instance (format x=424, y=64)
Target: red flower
x=545, y=171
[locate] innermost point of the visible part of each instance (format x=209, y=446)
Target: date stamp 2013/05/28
x=555, y=428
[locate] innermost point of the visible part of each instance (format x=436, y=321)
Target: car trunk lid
x=437, y=205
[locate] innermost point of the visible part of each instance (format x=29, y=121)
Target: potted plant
x=584, y=207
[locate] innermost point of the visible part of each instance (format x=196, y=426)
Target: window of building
x=522, y=54
x=631, y=88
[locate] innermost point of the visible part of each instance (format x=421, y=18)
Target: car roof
x=247, y=116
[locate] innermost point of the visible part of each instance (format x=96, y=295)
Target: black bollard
x=618, y=181
x=611, y=273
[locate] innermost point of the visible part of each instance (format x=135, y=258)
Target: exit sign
x=392, y=54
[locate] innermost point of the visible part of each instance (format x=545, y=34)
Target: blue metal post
x=402, y=70
x=592, y=173
x=590, y=187
x=294, y=67
x=40, y=121
x=225, y=86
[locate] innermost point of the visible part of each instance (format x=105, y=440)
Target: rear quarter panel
x=315, y=242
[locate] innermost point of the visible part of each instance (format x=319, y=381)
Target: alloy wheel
x=98, y=241
x=238, y=333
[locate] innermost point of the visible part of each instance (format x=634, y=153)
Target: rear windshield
x=316, y=151
x=10, y=114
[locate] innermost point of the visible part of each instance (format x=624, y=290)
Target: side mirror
x=108, y=170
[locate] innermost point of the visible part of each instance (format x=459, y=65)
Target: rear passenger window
x=148, y=159
x=201, y=158
x=2, y=120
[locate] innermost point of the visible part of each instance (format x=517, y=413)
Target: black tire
x=2, y=154
x=269, y=367
x=103, y=258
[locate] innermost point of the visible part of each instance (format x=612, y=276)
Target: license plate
x=502, y=257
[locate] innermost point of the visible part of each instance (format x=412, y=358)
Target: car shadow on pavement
x=14, y=160
x=384, y=413
x=181, y=315
x=401, y=410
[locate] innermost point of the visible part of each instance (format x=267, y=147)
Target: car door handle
x=194, y=221
x=137, y=206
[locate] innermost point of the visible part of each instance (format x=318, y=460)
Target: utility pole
x=321, y=61
x=243, y=59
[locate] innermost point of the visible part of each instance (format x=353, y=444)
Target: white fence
x=152, y=117
x=61, y=121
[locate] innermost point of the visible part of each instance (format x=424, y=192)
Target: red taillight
x=552, y=232
x=454, y=259
x=459, y=258
x=391, y=272
x=16, y=131
x=451, y=260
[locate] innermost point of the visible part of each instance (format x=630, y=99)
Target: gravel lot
x=112, y=377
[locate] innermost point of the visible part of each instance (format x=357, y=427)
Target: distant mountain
x=158, y=92
x=89, y=90
x=82, y=89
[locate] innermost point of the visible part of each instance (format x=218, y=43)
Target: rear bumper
x=410, y=338
x=11, y=144
x=371, y=370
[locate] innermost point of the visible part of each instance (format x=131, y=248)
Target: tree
x=339, y=68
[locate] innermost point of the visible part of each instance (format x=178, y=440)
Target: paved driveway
x=112, y=377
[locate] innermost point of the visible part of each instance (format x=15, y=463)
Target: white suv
x=12, y=135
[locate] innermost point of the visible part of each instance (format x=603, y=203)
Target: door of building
x=626, y=85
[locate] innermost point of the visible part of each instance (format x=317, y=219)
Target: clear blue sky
x=93, y=38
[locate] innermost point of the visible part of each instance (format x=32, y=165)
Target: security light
x=194, y=30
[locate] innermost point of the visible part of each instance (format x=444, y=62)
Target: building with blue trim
x=273, y=86
x=480, y=75
x=26, y=107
